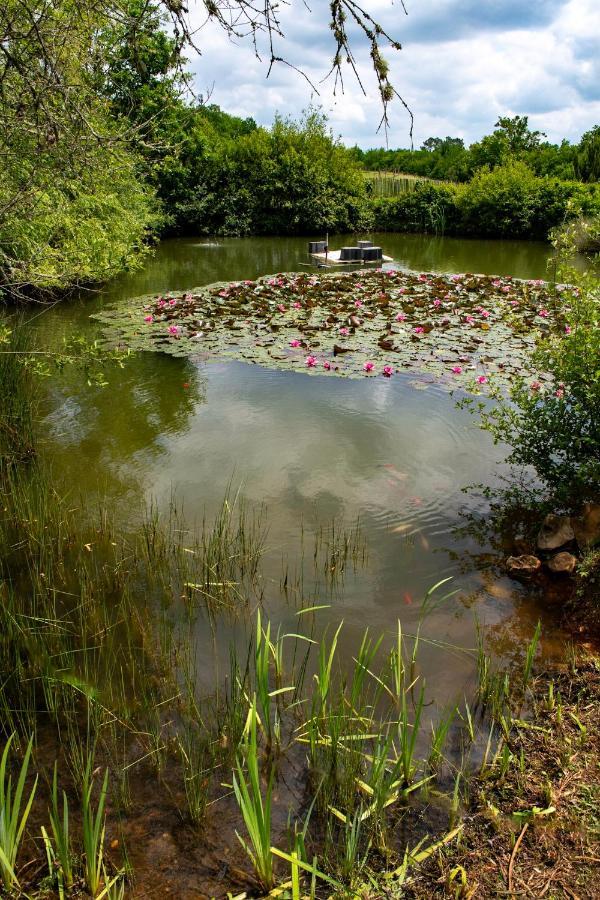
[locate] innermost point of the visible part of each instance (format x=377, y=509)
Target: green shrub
x=506, y=202
x=552, y=421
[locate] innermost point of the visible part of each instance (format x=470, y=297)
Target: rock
x=587, y=526
x=556, y=531
x=523, y=566
x=562, y=564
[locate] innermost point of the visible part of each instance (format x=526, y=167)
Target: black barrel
x=350, y=254
x=316, y=247
x=372, y=254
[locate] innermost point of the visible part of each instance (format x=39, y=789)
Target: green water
x=310, y=449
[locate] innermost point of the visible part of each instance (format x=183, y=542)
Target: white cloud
x=463, y=63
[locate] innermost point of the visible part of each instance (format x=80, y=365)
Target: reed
x=93, y=830
x=255, y=809
x=530, y=655
x=13, y=813
x=59, y=823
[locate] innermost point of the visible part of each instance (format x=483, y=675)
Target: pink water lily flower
x=457, y=370
x=148, y=319
x=368, y=366
x=173, y=329
x=295, y=342
x=223, y=293
x=543, y=313
x=437, y=302
x=172, y=301
x=327, y=365
x=358, y=302
x=401, y=317
x=560, y=393
x=160, y=303
x=311, y=361
x=281, y=307
x=388, y=371
x=419, y=329
x=344, y=331
x=469, y=320
x=297, y=305
x=535, y=385
x=485, y=314
x=567, y=329
x=482, y=379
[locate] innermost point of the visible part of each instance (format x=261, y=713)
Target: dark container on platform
x=372, y=254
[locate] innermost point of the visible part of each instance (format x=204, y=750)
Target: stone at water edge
x=562, y=564
x=587, y=526
x=524, y=566
x=556, y=531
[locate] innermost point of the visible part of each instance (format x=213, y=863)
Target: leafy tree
x=518, y=135
x=588, y=155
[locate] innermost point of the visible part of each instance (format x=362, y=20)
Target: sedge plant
x=254, y=807
x=13, y=815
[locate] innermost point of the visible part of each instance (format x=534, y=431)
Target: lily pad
x=462, y=329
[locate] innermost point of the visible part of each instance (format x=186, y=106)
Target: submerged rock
x=587, y=526
x=562, y=563
x=556, y=531
x=523, y=566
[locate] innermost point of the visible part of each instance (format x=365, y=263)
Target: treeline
x=105, y=148
x=512, y=139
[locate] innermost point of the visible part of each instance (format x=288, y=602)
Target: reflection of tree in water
x=101, y=429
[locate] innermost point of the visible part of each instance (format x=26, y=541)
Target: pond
x=316, y=452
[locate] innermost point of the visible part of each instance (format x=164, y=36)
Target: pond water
x=312, y=450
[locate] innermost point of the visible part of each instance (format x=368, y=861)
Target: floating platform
x=362, y=252
x=333, y=258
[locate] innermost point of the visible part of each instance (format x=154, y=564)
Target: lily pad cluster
x=460, y=329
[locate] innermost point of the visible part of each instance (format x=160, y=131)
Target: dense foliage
x=512, y=139
x=508, y=201
x=552, y=422
x=97, y=123
x=72, y=206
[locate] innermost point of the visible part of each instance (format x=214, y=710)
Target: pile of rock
x=560, y=542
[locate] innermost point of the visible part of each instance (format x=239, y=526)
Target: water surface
x=312, y=450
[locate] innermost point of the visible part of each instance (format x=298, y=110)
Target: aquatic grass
x=59, y=823
x=439, y=735
x=530, y=654
x=13, y=814
x=255, y=809
x=197, y=764
x=92, y=826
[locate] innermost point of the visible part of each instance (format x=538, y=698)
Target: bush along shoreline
x=506, y=202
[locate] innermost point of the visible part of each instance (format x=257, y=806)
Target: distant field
x=392, y=184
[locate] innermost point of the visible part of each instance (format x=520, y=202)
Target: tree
x=519, y=137
x=588, y=155
x=90, y=97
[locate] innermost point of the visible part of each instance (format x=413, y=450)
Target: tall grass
x=255, y=809
x=13, y=813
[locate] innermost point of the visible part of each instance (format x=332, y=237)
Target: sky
x=462, y=64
